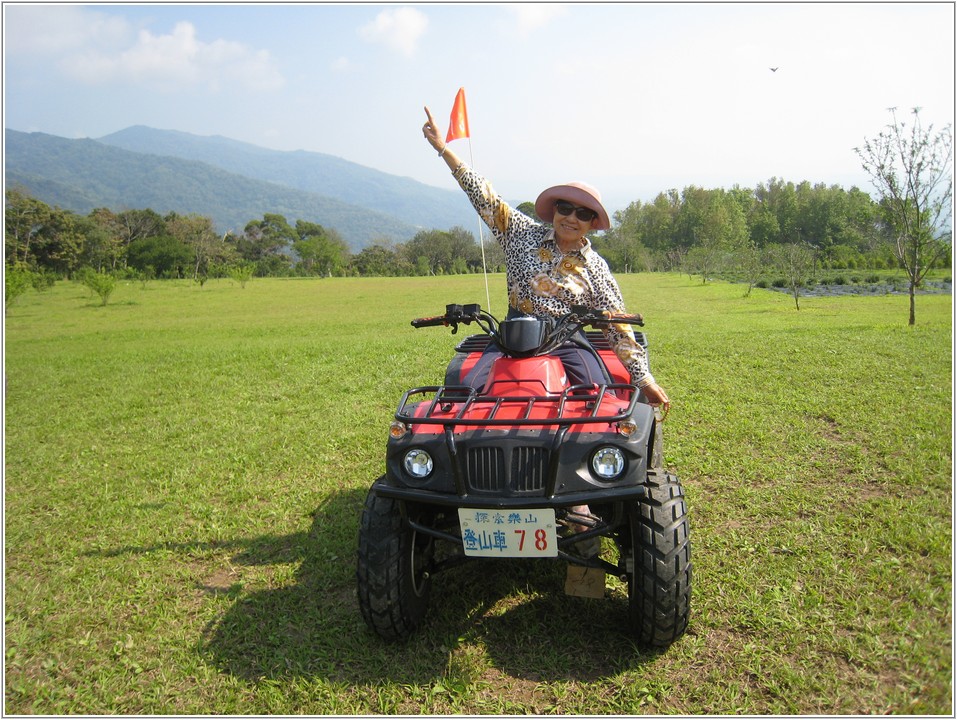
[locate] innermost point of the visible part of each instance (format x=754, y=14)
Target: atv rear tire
x=659, y=581
x=392, y=570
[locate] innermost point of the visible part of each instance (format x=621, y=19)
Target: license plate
x=508, y=533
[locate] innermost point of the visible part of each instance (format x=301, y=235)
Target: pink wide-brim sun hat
x=578, y=193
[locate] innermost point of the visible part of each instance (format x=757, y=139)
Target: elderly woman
x=551, y=268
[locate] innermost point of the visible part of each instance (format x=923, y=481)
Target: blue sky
x=634, y=98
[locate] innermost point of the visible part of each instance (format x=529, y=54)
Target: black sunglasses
x=563, y=207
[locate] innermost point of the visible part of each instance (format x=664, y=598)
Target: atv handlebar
x=555, y=332
x=580, y=316
x=467, y=313
x=455, y=314
x=599, y=318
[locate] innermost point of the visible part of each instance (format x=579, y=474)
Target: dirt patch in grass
x=220, y=582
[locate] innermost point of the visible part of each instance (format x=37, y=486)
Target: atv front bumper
x=385, y=488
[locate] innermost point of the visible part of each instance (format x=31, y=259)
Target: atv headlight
x=608, y=463
x=418, y=463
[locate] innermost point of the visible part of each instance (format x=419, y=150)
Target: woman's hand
x=657, y=396
x=431, y=132
x=434, y=136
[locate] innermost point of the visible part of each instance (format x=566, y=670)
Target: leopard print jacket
x=546, y=282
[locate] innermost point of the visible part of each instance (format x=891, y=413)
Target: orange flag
x=459, y=122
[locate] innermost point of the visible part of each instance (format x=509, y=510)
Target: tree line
x=719, y=228
x=49, y=240
x=707, y=230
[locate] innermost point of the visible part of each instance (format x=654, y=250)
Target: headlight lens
x=608, y=463
x=418, y=463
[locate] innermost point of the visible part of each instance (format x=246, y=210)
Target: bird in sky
x=773, y=69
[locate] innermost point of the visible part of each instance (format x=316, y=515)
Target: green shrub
x=17, y=281
x=143, y=276
x=101, y=284
x=241, y=273
x=43, y=280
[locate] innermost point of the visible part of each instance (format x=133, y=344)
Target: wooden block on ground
x=585, y=582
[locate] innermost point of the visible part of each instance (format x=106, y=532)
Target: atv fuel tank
x=544, y=375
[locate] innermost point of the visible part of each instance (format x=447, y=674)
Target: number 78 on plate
x=508, y=533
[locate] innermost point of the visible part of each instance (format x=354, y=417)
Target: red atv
x=503, y=471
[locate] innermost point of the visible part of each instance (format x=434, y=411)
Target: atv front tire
x=392, y=572
x=659, y=574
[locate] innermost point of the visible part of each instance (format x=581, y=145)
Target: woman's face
x=569, y=229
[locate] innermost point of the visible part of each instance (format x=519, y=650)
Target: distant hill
x=81, y=175
x=408, y=200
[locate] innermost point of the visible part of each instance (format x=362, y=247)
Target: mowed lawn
x=185, y=469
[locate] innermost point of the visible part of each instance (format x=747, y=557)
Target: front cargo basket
x=461, y=405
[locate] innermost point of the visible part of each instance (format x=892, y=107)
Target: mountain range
x=230, y=181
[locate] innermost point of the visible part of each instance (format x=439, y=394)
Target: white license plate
x=508, y=533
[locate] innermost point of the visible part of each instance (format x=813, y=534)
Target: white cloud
x=177, y=60
x=341, y=64
x=398, y=29
x=55, y=29
x=528, y=17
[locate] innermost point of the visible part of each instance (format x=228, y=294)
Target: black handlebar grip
x=636, y=319
x=430, y=321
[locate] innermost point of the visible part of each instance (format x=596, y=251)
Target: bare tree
x=751, y=262
x=911, y=169
x=795, y=261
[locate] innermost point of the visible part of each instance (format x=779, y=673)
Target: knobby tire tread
x=384, y=585
x=661, y=596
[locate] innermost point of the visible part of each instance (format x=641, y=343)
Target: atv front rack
x=462, y=405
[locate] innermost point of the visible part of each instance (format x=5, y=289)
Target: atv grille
x=527, y=470
x=485, y=469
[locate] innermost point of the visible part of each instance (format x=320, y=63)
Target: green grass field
x=185, y=469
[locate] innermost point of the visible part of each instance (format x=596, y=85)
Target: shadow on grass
x=517, y=611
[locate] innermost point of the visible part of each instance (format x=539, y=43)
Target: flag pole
x=459, y=128
x=488, y=299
